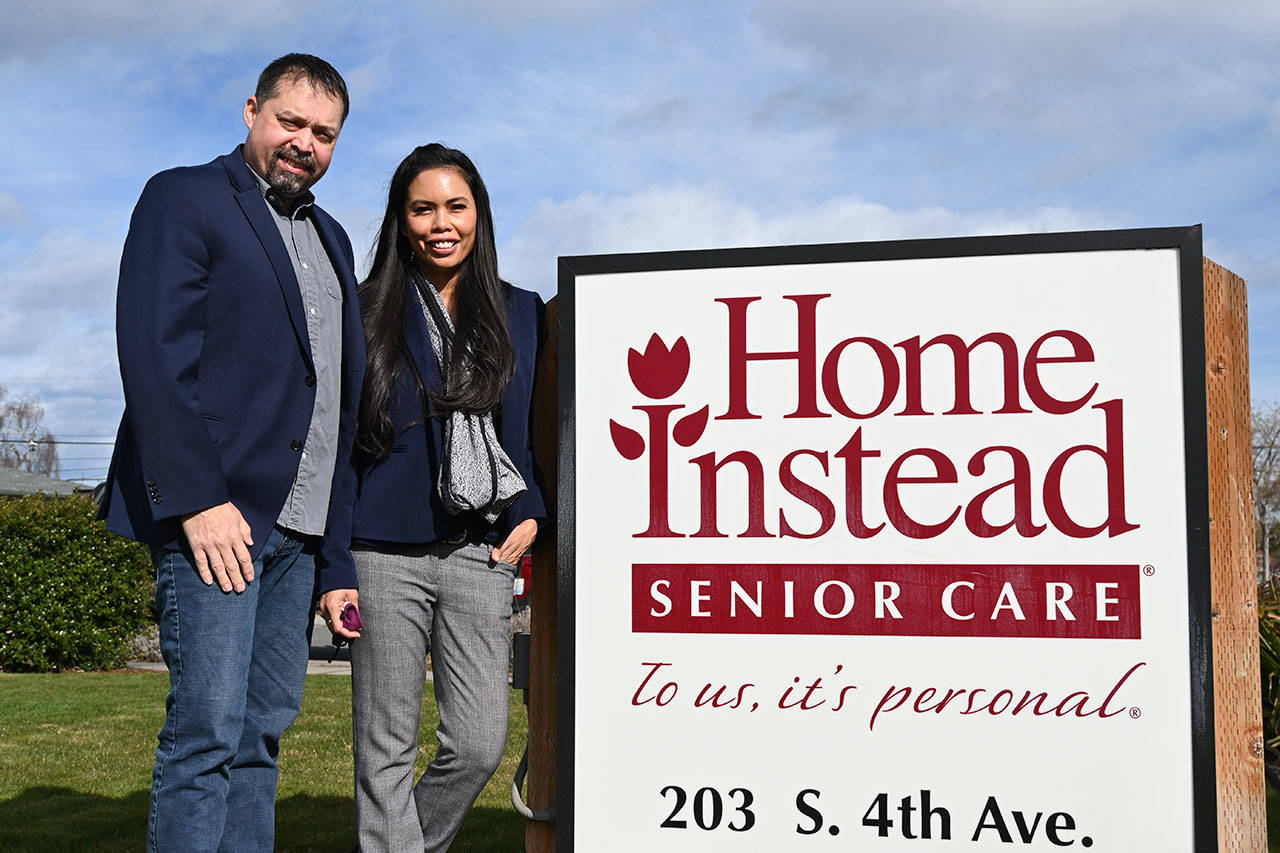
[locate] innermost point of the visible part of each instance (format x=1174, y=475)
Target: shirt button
x=296, y=444
x=304, y=266
x=313, y=310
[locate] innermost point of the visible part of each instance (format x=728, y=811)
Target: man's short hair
x=302, y=66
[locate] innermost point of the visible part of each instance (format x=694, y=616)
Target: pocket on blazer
x=214, y=424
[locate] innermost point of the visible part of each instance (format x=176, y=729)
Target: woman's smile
x=440, y=223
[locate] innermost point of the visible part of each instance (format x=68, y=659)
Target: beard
x=288, y=183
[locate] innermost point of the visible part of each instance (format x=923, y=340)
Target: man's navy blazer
x=219, y=384
x=395, y=500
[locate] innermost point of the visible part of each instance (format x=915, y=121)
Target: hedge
x=72, y=595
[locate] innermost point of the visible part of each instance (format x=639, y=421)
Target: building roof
x=14, y=482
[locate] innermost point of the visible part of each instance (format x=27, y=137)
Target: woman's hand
x=518, y=542
x=331, y=609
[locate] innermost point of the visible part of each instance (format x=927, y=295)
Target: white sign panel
x=886, y=547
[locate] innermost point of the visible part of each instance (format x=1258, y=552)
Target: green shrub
x=72, y=595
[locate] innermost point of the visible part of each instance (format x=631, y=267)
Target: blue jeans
x=237, y=664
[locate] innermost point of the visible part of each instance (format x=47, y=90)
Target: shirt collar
x=277, y=202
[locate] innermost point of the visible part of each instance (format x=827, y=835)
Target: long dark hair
x=481, y=337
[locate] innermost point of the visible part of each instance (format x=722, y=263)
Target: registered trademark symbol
x=1135, y=713
x=1148, y=570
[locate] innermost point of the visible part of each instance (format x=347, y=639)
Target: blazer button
x=310, y=380
x=156, y=499
x=295, y=444
x=151, y=481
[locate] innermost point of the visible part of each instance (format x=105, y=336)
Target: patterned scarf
x=476, y=475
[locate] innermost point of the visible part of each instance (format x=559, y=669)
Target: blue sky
x=627, y=125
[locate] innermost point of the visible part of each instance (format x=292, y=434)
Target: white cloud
x=1056, y=68
x=674, y=217
x=637, y=125
x=32, y=29
x=58, y=286
x=13, y=213
x=507, y=13
x=75, y=377
x=57, y=334
x=368, y=78
x=1030, y=35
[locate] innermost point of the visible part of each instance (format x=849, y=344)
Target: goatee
x=289, y=183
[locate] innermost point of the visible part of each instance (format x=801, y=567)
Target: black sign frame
x=1187, y=241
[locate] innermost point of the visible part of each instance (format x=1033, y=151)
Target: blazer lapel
x=416, y=338
x=328, y=239
x=255, y=209
x=254, y=206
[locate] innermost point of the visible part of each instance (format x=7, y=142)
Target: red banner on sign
x=1063, y=601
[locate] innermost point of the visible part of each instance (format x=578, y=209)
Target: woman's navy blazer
x=395, y=500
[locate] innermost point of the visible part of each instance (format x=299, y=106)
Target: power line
x=50, y=441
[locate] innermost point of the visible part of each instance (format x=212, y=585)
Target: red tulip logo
x=658, y=373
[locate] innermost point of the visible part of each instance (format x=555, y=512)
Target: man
x=242, y=356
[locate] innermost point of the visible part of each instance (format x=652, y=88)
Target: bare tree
x=1266, y=477
x=24, y=443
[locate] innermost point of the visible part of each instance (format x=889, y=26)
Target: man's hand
x=220, y=540
x=518, y=542
x=331, y=609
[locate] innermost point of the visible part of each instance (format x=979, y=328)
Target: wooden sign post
x=1242, y=816
x=540, y=836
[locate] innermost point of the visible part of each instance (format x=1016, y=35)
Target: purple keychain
x=350, y=619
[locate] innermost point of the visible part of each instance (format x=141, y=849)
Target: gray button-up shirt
x=307, y=507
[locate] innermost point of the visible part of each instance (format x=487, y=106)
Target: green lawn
x=76, y=751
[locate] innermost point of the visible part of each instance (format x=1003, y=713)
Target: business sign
x=886, y=546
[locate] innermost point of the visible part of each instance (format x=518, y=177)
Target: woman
x=446, y=503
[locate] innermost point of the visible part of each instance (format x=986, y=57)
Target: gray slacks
x=455, y=601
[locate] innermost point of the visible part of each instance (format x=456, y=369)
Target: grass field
x=76, y=751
